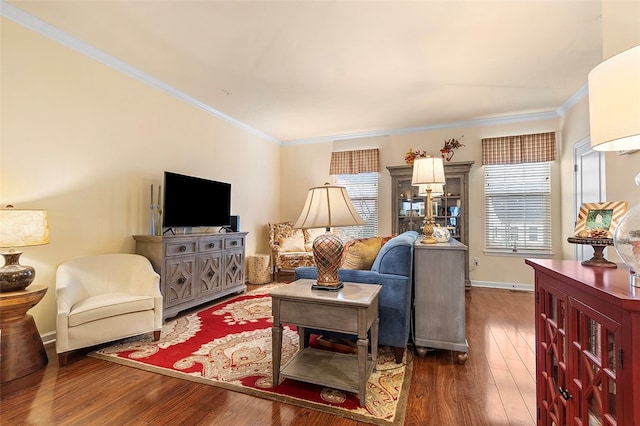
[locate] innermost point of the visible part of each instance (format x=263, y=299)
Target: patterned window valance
x=519, y=149
x=354, y=162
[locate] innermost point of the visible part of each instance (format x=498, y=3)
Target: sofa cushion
x=108, y=305
x=292, y=260
x=361, y=253
x=396, y=256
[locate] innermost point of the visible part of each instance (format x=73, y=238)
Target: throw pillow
x=361, y=253
x=294, y=243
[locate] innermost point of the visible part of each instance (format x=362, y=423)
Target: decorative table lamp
x=328, y=206
x=614, y=116
x=428, y=171
x=20, y=228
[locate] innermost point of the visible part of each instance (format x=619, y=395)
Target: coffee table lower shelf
x=324, y=368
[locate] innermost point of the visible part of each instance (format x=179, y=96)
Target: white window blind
x=363, y=191
x=517, y=205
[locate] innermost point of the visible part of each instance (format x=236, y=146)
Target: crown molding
x=28, y=21
x=580, y=94
x=516, y=118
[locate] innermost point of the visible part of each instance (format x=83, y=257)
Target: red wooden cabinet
x=587, y=344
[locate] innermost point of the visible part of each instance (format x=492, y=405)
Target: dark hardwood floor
x=496, y=386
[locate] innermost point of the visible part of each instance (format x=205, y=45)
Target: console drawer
x=180, y=248
x=209, y=244
x=233, y=242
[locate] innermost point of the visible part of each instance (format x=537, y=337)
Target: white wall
x=85, y=142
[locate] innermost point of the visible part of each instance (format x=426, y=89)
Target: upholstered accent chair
x=290, y=248
x=103, y=298
x=393, y=270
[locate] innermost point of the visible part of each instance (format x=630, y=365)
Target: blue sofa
x=393, y=270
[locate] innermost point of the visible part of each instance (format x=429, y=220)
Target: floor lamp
x=428, y=171
x=328, y=206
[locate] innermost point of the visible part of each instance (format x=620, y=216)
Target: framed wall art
x=599, y=220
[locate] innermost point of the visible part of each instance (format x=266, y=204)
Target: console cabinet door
x=233, y=267
x=179, y=283
x=553, y=377
x=596, y=355
x=210, y=276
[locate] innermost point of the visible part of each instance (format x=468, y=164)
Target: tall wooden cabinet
x=451, y=209
x=587, y=344
x=195, y=268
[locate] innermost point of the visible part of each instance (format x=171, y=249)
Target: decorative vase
x=447, y=154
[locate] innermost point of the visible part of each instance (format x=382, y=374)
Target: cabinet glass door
x=552, y=323
x=411, y=207
x=595, y=351
x=447, y=208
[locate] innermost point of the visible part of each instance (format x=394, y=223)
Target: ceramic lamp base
x=327, y=253
x=13, y=275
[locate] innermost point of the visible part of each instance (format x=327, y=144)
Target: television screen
x=191, y=202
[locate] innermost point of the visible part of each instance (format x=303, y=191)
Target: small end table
x=21, y=347
x=352, y=310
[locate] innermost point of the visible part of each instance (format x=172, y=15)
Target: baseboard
x=503, y=286
x=48, y=338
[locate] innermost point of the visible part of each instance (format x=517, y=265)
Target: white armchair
x=103, y=298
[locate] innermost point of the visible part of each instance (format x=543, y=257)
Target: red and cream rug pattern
x=229, y=345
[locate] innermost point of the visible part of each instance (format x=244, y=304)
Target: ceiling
x=300, y=70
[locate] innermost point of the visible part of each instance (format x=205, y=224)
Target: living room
x=85, y=141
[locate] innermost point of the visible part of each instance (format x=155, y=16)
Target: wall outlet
x=476, y=261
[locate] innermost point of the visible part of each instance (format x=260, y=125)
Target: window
x=517, y=203
x=363, y=191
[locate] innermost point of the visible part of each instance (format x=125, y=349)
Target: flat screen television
x=191, y=201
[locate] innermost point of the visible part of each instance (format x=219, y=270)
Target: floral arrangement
x=453, y=143
x=411, y=156
x=450, y=145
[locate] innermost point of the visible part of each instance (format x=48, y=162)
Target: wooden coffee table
x=352, y=310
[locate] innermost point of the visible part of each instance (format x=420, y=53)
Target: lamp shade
x=614, y=102
x=21, y=228
x=428, y=170
x=328, y=206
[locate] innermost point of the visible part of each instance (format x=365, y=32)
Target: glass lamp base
x=626, y=240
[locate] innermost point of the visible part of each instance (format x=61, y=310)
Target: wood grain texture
x=494, y=387
x=21, y=348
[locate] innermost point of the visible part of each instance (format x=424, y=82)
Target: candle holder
x=159, y=225
x=152, y=221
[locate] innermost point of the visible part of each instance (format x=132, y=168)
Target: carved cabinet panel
x=195, y=268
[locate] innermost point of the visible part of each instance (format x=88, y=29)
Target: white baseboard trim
x=48, y=338
x=503, y=286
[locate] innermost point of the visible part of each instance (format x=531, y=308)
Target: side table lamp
x=20, y=228
x=427, y=173
x=328, y=206
x=614, y=119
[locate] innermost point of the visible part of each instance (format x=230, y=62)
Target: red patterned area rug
x=229, y=345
